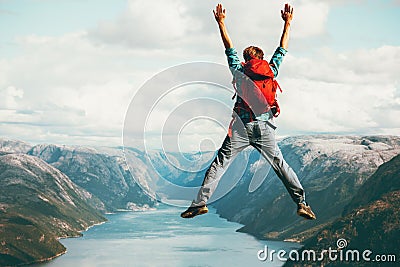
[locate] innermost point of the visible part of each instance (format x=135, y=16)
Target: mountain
x=102, y=172
x=371, y=220
x=330, y=168
x=385, y=180
x=169, y=176
x=13, y=146
x=38, y=205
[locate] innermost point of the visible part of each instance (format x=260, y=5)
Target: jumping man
x=252, y=125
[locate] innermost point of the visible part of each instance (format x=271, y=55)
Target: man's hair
x=252, y=52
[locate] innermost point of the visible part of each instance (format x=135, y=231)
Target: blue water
x=162, y=238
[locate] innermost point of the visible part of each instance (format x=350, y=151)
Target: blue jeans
x=261, y=136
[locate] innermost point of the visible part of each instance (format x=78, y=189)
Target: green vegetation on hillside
x=38, y=205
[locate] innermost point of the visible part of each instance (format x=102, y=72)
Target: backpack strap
x=270, y=125
x=234, y=87
x=276, y=84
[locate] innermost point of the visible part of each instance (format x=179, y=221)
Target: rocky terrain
x=102, y=172
x=371, y=221
x=13, y=146
x=38, y=205
x=331, y=168
x=48, y=192
x=67, y=187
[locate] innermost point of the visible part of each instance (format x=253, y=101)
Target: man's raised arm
x=219, y=14
x=287, y=16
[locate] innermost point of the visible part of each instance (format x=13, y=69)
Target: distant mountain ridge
x=14, y=146
x=103, y=174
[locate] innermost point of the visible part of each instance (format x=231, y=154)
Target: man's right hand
x=219, y=13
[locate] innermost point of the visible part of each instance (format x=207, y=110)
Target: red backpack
x=259, y=92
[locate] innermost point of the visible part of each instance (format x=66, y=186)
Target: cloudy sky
x=70, y=69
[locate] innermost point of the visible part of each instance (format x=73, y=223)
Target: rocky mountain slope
x=102, y=173
x=385, y=180
x=168, y=175
x=39, y=204
x=13, y=146
x=371, y=221
x=331, y=169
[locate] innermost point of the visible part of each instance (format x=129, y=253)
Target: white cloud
x=67, y=85
x=356, y=92
x=310, y=19
x=75, y=88
x=10, y=96
x=145, y=25
x=190, y=25
x=361, y=66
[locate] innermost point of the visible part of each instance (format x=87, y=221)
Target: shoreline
x=46, y=259
x=255, y=235
x=141, y=227
x=58, y=238
x=81, y=234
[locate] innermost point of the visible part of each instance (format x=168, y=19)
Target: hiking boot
x=305, y=211
x=194, y=211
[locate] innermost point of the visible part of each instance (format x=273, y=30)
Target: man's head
x=252, y=52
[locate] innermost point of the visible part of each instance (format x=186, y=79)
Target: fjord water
x=161, y=238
